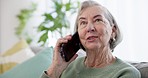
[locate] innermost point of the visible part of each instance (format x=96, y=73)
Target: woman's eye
x=83, y=23
x=98, y=20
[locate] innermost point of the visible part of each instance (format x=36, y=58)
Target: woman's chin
x=92, y=47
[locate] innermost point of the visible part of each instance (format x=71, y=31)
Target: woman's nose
x=90, y=28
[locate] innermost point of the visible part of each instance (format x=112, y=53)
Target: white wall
x=8, y=20
x=8, y=11
x=0, y=24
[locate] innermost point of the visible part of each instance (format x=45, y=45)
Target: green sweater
x=119, y=69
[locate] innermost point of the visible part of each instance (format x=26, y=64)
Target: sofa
x=24, y=61
x=34, y=67
x=142, y=67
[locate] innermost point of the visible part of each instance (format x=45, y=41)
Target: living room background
x=131, y=15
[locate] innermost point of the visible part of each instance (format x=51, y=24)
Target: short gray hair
x=118, y=38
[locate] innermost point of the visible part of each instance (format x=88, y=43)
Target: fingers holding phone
x=60, y=41
x=59, y=64
x=69, y=49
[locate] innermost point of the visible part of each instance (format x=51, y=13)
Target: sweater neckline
x=94, y=71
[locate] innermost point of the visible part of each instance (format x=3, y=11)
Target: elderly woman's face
x=93, y=28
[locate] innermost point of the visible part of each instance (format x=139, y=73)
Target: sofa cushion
x=32, y=68
x=17, y=54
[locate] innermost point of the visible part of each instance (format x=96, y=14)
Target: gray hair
x=118, y=38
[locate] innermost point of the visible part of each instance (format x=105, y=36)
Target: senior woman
x=99, y=34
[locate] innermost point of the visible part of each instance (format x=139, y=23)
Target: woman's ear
x=114, y=29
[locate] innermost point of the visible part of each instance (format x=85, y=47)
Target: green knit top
x=118, y=69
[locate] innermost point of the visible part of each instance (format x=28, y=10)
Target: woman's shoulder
x=122, y=63
x=78, y=62
x=124, y=67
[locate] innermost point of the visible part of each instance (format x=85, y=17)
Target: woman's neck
x=99, y=58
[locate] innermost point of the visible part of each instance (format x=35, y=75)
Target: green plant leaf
x=68, y=6
x=43, y=37
x=42, y=28
x=48, y=17
x=60, y=21
x=23, y=17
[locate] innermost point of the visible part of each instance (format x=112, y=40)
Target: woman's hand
x=59, y=64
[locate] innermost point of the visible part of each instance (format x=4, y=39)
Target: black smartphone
x=68, y=50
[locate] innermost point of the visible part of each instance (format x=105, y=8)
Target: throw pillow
x=19, y=53
x=32, y=68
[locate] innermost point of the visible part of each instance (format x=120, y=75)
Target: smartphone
x=69, y=49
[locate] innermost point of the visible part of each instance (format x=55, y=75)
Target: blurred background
x=42, y=22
